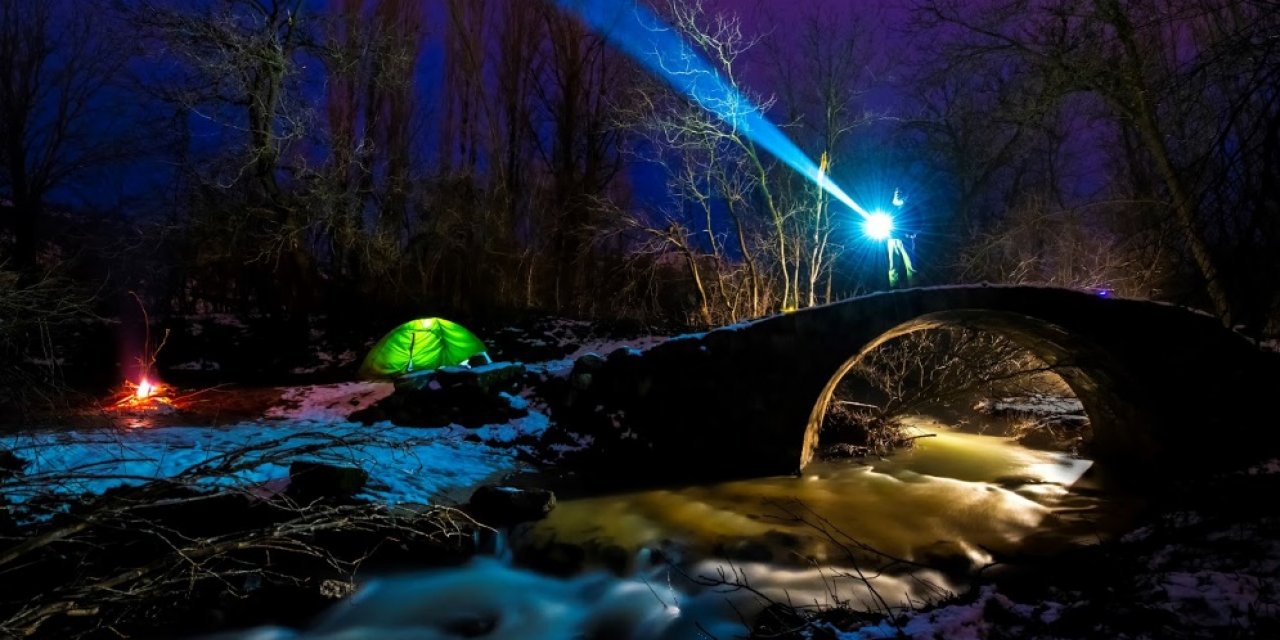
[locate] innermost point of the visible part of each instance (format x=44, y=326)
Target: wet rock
x=471, y=626
x=666, y=552
x=504, y=506
x=616, y=559
x=557, y=558
x=1039, y=439
x=746, y=550
x=584, y=370
x=312, y=481
x=783, y=540
x=1015, y=482
x=490, y=378
x=948, y=557
x=10, y=464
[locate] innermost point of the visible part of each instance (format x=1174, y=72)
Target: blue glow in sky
x=637, y=31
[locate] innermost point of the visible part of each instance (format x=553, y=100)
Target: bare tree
x=822, y=85
x=237, y=66
x=1137, y=59
x=712, y=168
x=371, y=56
x=235, y=60
x=581, y=151
x=517, y=67
x=62, y=115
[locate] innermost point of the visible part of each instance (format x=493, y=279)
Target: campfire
x=145, y=396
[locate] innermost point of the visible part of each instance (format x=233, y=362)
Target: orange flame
x=145, y=390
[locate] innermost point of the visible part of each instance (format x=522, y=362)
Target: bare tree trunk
x=1147, y=123
x=753, y=270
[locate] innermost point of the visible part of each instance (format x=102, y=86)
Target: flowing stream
x=901, y=531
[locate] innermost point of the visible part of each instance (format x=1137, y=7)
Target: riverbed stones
x=10, y=464
x=453, y=395
x=503, y=506
x=490, y=378
x=312, y=481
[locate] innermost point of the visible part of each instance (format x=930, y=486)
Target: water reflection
x=969, y=493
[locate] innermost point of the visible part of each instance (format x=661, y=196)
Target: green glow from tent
x=421, y=345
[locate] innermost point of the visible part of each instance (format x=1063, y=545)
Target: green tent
x=420, y=345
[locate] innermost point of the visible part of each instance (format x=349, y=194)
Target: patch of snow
x=532, y=425
x=406, y=465
x=516, y=402
x=1268, y=468
x=327, y=403
x=325, y=360
x=1033, y=405
x=226, y=320
x=953, y=622
x=580, y=442
x=551, y=368
x=692, y=336
x=1137, y=535
x=1217, y=599
x=605, y=347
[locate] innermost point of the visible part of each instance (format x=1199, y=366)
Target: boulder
x=502, y=506
x=311, y=481
x=490, y=378
x=584, y=370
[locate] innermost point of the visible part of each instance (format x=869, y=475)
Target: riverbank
x=136, y=527
x=1204, y=564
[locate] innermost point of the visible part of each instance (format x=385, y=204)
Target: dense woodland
x=285, y=158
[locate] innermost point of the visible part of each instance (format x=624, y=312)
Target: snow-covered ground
x=562, y=366
x=1187, y=575
x=406, y=464
x=1032, y=405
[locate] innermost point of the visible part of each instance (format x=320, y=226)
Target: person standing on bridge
x=894, y=246
x=879, y=226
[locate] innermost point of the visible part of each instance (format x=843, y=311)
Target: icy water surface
x=898, y=532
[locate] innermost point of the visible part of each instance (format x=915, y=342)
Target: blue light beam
x=637, y=31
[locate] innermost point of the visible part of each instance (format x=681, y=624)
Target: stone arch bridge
x=1161, y=384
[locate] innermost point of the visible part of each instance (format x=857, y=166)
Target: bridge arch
x=743, y=400
x=1085, y=368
